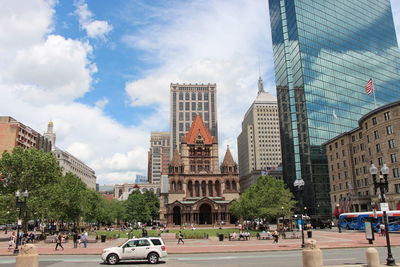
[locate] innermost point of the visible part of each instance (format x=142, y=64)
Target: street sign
x=369, y=232
x=19, y=222
x=384, y=206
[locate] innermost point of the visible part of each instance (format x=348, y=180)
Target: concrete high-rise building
x=325, y=52
x=14, y=133
x=259, y=147
x=68, y=162
x=188, y=100
x=159, y=155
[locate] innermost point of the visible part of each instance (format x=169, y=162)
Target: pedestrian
x=275, y=236
x=383, y=230
x=84, y=239
x=75, y=238
x=11, y=241
x=59, y=241
x=180, y=238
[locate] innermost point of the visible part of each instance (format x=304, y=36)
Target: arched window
x=197, y=189
x=210, y=189
x=217, y=188
x=120, y=193
x=190, y=188
x=173, y=186
x=203, y=189
x=187, y=96
x=227, y=185
x=179, y=185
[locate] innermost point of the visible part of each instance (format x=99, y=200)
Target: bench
x=168, y=236
x=266, y=236
x=291, y=236
x=92, y=239
x=238, y=237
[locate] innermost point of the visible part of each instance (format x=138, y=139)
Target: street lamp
x=299, y=185
x=20, y=203
x=383, y=186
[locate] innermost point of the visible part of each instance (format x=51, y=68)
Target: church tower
x=50, y=135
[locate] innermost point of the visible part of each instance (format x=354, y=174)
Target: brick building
x=200, y=191
x=350, y=155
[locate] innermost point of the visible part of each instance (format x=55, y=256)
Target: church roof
x=176, y=159
x=198, y=128
x=228, y=159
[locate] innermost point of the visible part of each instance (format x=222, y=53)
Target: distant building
x=350, y=155
x=14, y=133
x=69, y=163
x=259, y=146
x=122, y=191
x=159, y=155
x=187, y=101
x=141, y=179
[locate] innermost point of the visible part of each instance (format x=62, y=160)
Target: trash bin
x=103, y=238
x=221, y=237
x=309, y=234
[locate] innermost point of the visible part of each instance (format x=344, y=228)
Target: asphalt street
x=271, y=259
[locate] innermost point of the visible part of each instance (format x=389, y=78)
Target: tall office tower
x=187, y=100
x=259, y=146
x=158, y=156
x=325, y=52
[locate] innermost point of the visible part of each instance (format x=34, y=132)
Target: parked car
x=150, y=248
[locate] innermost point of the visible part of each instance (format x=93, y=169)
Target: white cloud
x=93, y=28
x=206, y=42
x=102, y=103
x=55, y=70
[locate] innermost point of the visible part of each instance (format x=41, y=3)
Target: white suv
x=149, y=248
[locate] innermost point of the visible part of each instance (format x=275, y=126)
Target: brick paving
x=325, y=239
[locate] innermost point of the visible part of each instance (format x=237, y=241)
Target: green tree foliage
x=264, y=200
x=141, y=207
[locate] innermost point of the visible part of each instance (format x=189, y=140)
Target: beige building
x=259, y=147
x=187, y=101
x=69, y=163
x=14, y=133
x=122, y=191
x=350, y=155
x=159, y=154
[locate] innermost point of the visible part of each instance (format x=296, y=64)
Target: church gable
x=198, y=133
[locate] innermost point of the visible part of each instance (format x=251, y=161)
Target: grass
x=189, y=234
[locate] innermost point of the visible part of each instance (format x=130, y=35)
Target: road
x=271, y=259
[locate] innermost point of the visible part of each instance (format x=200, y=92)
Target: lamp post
x=299, y=185
x=383, y=186
x=20, y=203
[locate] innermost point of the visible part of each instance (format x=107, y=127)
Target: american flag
x=369, y=88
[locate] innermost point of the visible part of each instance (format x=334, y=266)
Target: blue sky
x=100, y=70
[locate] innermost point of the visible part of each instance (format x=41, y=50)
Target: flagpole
x=373, y=90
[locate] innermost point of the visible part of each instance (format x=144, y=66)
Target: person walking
x=382, y=228
x=11, y=241
x=75, y=238
x=275, y=236
x=84, y=239
x=180, y=238
x=59, y=241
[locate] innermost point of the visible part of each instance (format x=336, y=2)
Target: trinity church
x=200, y=191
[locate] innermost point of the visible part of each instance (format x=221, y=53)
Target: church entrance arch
x=177, y=215
x=205, y=214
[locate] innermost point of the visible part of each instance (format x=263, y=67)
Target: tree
x=264, y=200
x=154, y=204
x=137, y=208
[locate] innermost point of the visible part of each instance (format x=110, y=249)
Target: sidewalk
x=325, y=239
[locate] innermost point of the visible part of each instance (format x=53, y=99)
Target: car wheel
x=112, y=259
x=153, y=258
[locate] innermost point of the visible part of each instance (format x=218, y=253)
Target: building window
x=387, y=116
x=376, y=134
x=389, y=129
x=187, y=96
x=187, y=116
x=380, y=161
x=180, y=105
x=374, y=122
x=342, y=142
x=180, y=126
x=181, y=96
x=181, y=116
x=366, y=126
x=194, y=96
x=344, y=163
x=343, y=153
x=396, y=172
x=336, y=145
x=393, y=158
x=365, y=181
x=378, y=148
x=397, y=188
x=392, y=143
x=330, y=147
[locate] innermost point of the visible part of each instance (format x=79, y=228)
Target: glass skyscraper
x=324, y=53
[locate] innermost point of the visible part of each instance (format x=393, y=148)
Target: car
x=3, y=227
x=150, y=248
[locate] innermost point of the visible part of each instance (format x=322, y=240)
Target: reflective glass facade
x=325, y=52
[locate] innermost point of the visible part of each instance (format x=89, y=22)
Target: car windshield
x=123, y=243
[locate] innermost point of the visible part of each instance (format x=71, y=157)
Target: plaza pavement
x=325, y=239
